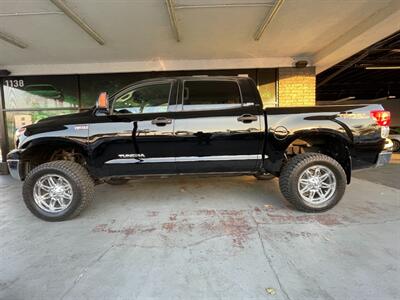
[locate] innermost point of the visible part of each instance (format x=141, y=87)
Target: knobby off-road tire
x=64, y=178
x=301, y=167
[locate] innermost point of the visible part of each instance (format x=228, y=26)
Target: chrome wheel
x=316, y=184
x=52, y=193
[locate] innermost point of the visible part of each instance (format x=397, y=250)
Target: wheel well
x=330, y=145
x=36, y=155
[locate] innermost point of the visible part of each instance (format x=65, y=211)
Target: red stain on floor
x=238, y=225
x=207, y=212
x=326, y=219
x=126, y=231
x=169, y=227
x=238, y=229
x=231, y=223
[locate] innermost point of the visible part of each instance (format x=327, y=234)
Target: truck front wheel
x=313, y=182
x=57, y=190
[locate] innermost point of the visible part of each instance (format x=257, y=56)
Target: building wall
x=296, y=86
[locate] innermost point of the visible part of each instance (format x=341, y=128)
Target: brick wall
x=296, y=86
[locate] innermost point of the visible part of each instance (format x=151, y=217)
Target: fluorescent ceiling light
x=221, y=5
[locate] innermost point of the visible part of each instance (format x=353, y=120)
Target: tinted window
x=201, y=95
x=145, y=99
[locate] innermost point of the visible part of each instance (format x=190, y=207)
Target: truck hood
x=65, y=119
x=59, y=122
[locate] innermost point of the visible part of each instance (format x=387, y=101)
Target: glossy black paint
x=359, y=136
x=213, y=141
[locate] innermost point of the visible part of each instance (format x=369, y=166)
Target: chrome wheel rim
x=316, y=184
x=53, y=193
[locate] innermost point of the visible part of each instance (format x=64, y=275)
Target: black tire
x=76, y=175
x=290, y=175
x=117, y=181
x=264, y=176
x=396, y=145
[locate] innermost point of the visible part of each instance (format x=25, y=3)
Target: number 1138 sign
x=15, y=83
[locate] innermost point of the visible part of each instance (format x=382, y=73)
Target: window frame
x=182, y=100
x=140, y=85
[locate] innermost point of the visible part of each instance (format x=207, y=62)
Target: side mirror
x=102, y=103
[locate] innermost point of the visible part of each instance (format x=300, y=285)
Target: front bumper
x=383, y=158
x=16, y=166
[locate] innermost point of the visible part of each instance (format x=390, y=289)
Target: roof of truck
x=205, y=77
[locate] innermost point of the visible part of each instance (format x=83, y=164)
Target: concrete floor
x=191, y=238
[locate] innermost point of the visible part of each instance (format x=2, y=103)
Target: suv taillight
x=381, y=117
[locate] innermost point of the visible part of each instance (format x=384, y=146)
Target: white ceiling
x=138, y=34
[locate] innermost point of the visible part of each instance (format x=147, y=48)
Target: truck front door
x=216, y=131
x=137, y=137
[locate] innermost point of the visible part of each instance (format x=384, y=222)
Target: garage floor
x=191, y=238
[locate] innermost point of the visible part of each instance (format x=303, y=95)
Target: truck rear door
x=214, y=130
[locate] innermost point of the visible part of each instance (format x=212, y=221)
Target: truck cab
x=182, y=125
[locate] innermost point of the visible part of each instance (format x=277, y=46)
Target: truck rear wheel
x=58, y=190
x=313, y=182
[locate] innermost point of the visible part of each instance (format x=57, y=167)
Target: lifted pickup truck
x=196, y=125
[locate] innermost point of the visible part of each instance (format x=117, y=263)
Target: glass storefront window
x=17, y=119
x=41, y=92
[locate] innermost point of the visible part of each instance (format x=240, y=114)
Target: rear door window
x=210, y=95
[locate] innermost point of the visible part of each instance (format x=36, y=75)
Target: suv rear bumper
x=16, y=166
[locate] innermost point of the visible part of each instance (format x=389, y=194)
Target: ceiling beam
x=12, y=40
x=78, y=20
x=271, y=13
x=172, y=18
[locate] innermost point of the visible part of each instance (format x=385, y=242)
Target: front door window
x=146, y=99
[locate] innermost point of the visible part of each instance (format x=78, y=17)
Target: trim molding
x=183, y=159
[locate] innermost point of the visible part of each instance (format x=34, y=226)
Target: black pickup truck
x=196, y=125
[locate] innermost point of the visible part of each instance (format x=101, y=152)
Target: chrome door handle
x=161, y=121
x=247, y=118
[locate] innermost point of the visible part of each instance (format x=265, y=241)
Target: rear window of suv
x=210, y=94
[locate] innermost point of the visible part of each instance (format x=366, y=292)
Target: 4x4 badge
x=81, y=127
